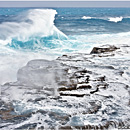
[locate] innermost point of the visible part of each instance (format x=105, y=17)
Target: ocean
x=29, y=35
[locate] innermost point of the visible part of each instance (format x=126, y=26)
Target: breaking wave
x=85, y=17
x=111, y=19
x=30, y=28
x=116, y=19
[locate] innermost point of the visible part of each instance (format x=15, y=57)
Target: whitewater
x=43, y=52
x=29, y=29
x=32, y=34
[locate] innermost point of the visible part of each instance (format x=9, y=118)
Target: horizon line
x=69, y=4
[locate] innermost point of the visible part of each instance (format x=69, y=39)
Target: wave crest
x=30, y=25
x=85, y=17
x=111, y=19
x=115, y=19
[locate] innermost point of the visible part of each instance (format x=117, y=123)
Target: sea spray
x=42, y=74
x=32, y=24
x=27, y=35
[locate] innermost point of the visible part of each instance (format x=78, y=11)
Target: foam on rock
x=92, y=92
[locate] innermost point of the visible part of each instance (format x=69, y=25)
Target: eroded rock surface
x=75, y=91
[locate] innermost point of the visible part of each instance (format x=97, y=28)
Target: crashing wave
x=111, y=19
x=30, y=26
x=85, y=17
x=116, y=19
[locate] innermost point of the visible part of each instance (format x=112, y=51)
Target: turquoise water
x=71, y=21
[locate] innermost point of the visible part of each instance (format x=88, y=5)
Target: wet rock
x=63, y=119
x=92, y=92
x=75, y=95
x=98, y=50
x=120, y=73
x=67, y=88
x=84, y=87
x=74, y=87
x=107, y=125
x=11, y=116
x=104, y=67
x=101, y=79
x=28, y=126
x=65, y=128
x=80, y=79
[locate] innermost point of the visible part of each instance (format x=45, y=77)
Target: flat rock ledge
x=92, y=88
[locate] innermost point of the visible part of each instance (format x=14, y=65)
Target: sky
x=64, y=3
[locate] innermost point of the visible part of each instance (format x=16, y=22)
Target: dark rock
x=39, y=99
x=67, y=88
x=74, y=87
x=110, y=67
x=65, y=128
x=92, y=92
x=98, y=50
x=101, y=79
x=121, y=73
x=64, y=56
x=75, y=95
x=84, y=87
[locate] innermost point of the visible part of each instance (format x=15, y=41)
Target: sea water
x=35, y=33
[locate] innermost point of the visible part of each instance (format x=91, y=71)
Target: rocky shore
x=75, y=91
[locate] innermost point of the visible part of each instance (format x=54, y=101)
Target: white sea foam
x=115, y=19
x=86, y=17
x=111, y=19
x=26, y=26
x=30, y=24
x=12, y=60
x=37, y=22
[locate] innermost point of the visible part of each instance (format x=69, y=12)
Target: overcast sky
x=64, y=3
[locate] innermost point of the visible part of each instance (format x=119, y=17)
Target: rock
x=75, y=95
x=98, y=50
x=74, y=87
x=101, y=78
x=67, y=88
x=84, y=87
x=92, y=92
x=65, y=128
x=78, y=84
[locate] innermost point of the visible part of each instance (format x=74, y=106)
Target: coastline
x=94, y=86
